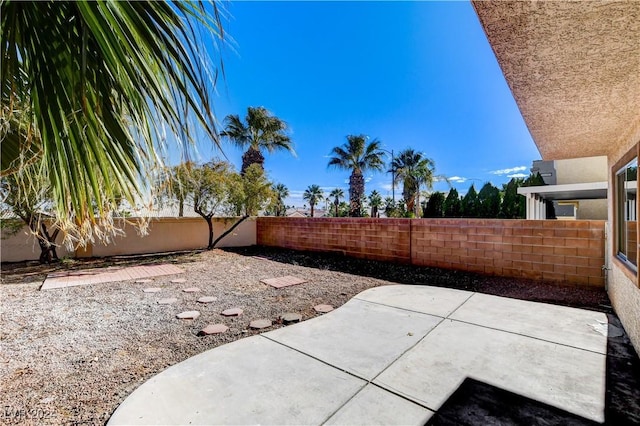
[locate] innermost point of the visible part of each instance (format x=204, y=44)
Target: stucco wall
x=592, y=210
x=623, y=287
x=164, y=234
x=581, y=170
x=23, y=246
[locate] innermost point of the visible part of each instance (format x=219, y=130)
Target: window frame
x=619, y=218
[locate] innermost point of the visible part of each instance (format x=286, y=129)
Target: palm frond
x=105, y=81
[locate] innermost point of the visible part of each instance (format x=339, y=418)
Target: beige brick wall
x=568, y=251
x=379, y=239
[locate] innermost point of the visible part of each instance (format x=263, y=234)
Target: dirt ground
x=71, y=355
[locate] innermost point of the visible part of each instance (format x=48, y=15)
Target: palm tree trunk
x=252, y=156
x=356, y=189
x=311, y=209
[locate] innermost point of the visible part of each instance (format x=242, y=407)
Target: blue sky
x=412, y=74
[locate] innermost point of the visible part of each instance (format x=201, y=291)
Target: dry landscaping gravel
x=71, y=355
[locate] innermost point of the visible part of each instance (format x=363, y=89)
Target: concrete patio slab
x=428, y=300
x=369, y=362
x=105, y=275
x=561, y=376
x=558, y=324
x=376, y=406
x=252, y=381
x=360, y=337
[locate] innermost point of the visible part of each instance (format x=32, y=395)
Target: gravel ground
x=71, y=355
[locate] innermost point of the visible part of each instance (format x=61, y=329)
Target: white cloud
x=457, y=179
x=386, y=186
x=508, y=171
x=518, y=175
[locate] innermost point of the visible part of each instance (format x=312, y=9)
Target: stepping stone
x=213, y=329
x=233, y=312
x=191, y=290
x=323, y=309
x=260, y=324
x=179, y=280
x=144, y=281
x=167, y=301
x=290, y=317
x=207, y=299
x=283, y=281
x=188, y=315
x=152, y=290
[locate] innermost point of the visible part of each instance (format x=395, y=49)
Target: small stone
x=207, y=299
x=188, y=315
x=167, y=301
x=260, y=324
x=213, y=329
x=152, y=290
x=233, y=312
x=191, y=290
x=323, y=309
x=290, y=317
x=144, y=281
x=179, y=280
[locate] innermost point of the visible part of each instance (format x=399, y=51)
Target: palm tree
x=375, y=201
x=105, y=81
x=358, y=156
x=336, y=194
x=313, y=194
x=281, y=192
x=261, y=131
x=413, y=170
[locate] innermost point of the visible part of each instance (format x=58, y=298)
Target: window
x=626, y=206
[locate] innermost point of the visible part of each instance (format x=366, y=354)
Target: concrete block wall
x=378, y=239
x=552, y=250
x=566, y=251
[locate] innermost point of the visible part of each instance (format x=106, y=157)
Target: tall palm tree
x=261, y=131
x=413, y=170
x=281, y=192
x=375, y=202
x=336, y=194
x=105, y=81
x=358, y=156
x=313, y=194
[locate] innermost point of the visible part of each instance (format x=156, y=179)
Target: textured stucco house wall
x=574, y=71
x=576, y=170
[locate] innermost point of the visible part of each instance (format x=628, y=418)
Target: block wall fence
x=553, y=250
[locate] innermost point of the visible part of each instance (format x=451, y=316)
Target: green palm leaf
x=105, y=80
